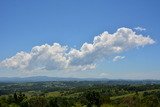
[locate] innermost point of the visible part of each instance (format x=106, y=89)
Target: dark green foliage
x=151, y=101
x=15, y=97
x=24, y=103
x=93, y=98
x=10, y=99
x=79, y=93
x=37, y=102
x=53, y=102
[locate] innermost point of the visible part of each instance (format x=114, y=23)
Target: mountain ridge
x=46, y=78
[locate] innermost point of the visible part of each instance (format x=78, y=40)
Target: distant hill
x=103, y=80
x=45, y=78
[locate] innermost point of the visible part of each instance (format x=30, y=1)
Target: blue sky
x=25, y=24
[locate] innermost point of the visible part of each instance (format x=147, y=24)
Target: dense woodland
x=80, y=94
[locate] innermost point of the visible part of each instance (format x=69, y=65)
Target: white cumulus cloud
x=57, y=57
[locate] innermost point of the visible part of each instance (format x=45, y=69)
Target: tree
x=93, y=98
x=53, y=102
x=15, y=97
x=10, y=99
x=37, y=102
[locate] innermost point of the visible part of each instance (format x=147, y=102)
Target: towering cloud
x=57, y=57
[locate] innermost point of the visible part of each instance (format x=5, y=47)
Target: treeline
x=86, y=99
x=75, y=94
x=8, y=88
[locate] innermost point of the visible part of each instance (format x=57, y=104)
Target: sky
x=83, y=39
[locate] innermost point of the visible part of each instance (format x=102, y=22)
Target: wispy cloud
x=117, y=58
x=103, y=74
x=140, y=28
x=57, y=57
